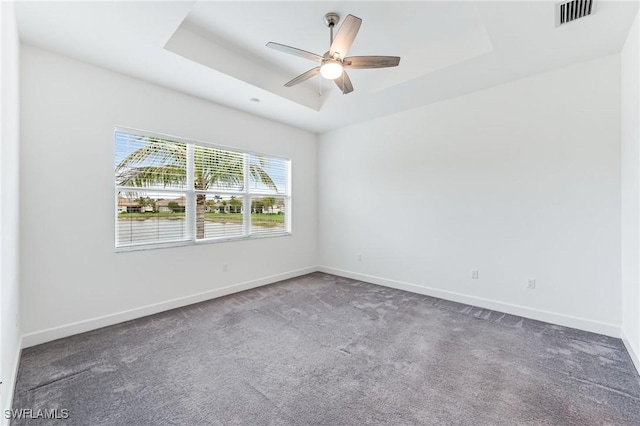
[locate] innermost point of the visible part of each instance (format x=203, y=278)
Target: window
x=171, y=192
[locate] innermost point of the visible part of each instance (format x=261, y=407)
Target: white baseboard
x=66, y=330
x=523, y=311
x=11, y=386
x=59, y=332
x=635, y=356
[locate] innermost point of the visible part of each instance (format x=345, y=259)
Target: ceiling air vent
x=572, y=10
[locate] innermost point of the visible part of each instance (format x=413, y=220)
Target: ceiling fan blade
x=345, y=37
x=294, y=51
x=360, y=62
x=344, y=83
x=304, y=76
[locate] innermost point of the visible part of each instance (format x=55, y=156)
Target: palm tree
x=162, y=163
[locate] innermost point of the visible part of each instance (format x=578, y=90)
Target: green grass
x=211, y=217
x=143, y=216
x=224, y=217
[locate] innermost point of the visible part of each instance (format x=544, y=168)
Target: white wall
x=71, y=276
x=520, y=180
x=9, y=200
x=630, y=89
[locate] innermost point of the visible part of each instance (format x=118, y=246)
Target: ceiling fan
x=334, y=62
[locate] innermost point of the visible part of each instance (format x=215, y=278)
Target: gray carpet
x=323, y=350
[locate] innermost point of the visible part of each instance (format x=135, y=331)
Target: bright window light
x=177, y=192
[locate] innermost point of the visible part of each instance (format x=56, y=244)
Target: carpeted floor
x=323, y=350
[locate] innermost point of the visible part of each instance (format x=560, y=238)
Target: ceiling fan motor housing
x=331, y=19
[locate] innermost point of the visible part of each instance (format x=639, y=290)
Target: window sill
x=172, y=244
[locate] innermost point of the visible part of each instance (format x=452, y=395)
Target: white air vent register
x=572, y=10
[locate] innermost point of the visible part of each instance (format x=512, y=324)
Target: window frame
x=190, y=194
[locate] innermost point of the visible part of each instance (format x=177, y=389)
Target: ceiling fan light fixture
x=331, y=70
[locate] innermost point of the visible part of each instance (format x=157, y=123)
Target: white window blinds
x=175, y=192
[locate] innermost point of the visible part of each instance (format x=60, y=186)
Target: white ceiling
x=216, y=50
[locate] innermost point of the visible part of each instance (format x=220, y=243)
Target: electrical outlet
x=359, y=257
x=225, y=267
x=475, y=274
x=531, y=283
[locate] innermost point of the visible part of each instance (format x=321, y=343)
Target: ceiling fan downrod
x=331, y=19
